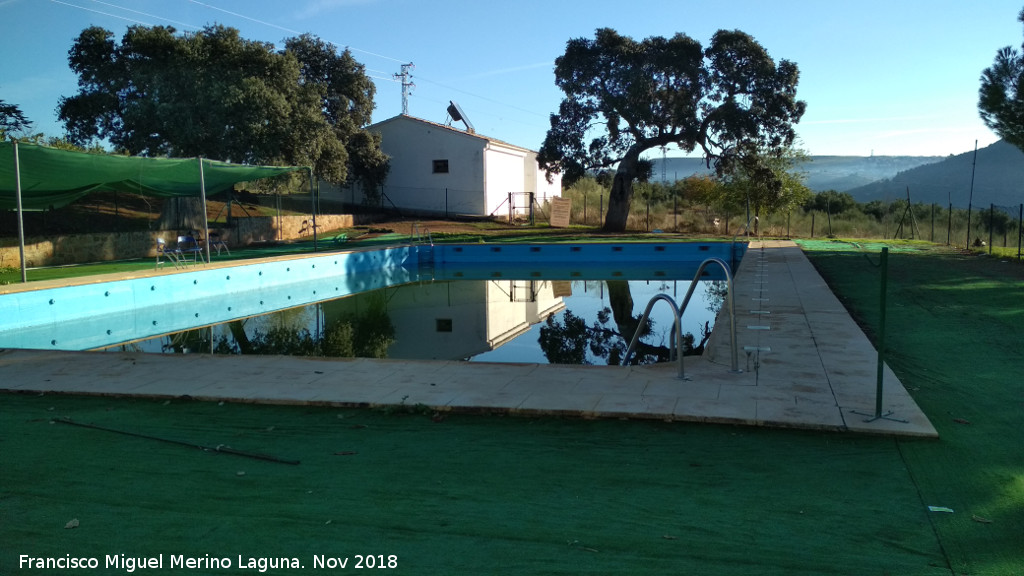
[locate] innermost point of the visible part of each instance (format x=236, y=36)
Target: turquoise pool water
x=470, y=279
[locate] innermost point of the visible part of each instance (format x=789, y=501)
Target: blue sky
x=883, y=77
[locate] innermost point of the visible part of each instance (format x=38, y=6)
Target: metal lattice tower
x=405, y=76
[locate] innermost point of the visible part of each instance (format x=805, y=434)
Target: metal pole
x=970, y=199
x=312, y=195
x=949, y=224
x=828, y=209
x=206, y=220
x=884, y=263
x=21, y=220
x=991, y=219
x=675, y=212
x=1020, y=229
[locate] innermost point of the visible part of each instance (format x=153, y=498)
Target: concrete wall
x=538, y=178
x=81, y=248
x=504, y=167
x=412, y=183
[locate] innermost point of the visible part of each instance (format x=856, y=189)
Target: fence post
x=991, y=219
x=648, y=225
x=510, y=208
x=812, y=224
x=1020, y=229
x=600, y=213
x=880, y=344
x=949, y=224
x=931, y=237
x=675, y=212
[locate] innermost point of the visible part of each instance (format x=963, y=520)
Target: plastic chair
x=217, y=243
x=188, y=248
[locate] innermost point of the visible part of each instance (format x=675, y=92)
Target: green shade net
x=52, y=178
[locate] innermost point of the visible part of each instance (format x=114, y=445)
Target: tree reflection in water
x=568, y=340
x=365, y=334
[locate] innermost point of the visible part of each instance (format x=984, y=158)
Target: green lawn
x=481, y=494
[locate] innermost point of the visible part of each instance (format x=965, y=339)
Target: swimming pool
x=491, y=320
x=93, y=316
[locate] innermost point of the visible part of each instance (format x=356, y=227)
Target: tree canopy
x=1001, y=99
x=623, y=97
x=213, y=93
x=12, y=119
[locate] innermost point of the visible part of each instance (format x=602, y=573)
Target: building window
x=440, y=166
x=444, y=324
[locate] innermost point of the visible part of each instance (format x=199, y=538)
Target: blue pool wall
x=143, y=307
x=123, y=310
x=456, y=255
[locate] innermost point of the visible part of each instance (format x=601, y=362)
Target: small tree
x=831, y=201
x=765, y=184
x=628, y=97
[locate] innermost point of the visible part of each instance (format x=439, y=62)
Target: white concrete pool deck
x=804, y=364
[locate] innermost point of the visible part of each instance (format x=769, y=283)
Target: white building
x=447, y=170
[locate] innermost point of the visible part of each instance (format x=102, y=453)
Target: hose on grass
x=219, y=448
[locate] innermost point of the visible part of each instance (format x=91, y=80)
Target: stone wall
x=81, y=248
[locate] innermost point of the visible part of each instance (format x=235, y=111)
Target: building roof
x=451, y=128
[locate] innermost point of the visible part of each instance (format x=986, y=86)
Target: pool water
x=482, y=319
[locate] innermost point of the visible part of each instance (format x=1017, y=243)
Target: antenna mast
x=407, y=85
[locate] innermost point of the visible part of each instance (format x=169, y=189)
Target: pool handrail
x=678, y=310
x=676, y=326
x=420, y=234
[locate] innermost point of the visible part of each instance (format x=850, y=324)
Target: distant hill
x=841, y=173
x=998, y=179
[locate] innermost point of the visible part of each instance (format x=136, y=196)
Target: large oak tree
x=624, y=97
x=213, y=93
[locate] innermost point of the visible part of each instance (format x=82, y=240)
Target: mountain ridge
x=840, y=173
x=997, y=177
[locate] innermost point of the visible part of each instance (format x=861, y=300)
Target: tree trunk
x=620, y=299
x=182, y=213
x=621, y=196
x=619, y=201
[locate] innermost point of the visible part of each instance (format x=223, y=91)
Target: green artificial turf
x=466, y=495
x=484, y=494
x=952, y=333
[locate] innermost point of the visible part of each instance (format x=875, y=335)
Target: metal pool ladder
x=420, y=235
x=677, y=312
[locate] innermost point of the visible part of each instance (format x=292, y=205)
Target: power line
x=134, y=20
x=492, y=100
x=289, y=30
x=145, y=14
